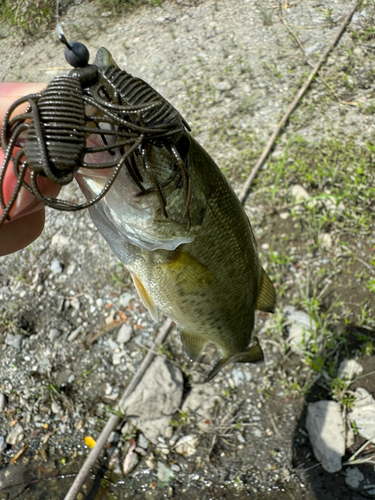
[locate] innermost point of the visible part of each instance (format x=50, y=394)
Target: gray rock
x=299, y=317
x=314, y=48
x=326, y=241
x=257, y=433
x=56, y=267
x=55, y=408
x=125, y=298
x=353, y=477
x=54, y=334
x=187, y=445
x=16, y=435
x=150, y=461
x=117, y=358
x=223, y=86
x=165, y=474
x=3, y=444
x=59, y=240
x=357, y=482
x=325, y=426
x=141, y=451
x=299, y=329
x=201, y=403
x=14, y=340
x=349, y=369
x=112, y=344
x=75, y=333
x=124, y=334
x=3, y=401
x=299, y=193
x=363, y=413
x=155, y=399
x=298, y=338
x=142, y=442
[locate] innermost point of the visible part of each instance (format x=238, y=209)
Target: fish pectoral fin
x=189, y=272
x=266, y=300
x=145, y=297
x=252, y=355
x=193, y=345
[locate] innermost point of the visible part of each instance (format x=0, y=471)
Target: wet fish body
x=207, y=278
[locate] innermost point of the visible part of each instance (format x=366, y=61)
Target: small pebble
x=3, y=401
x=142, y=441
x=124, y=334
x=56, y=267
x=14, y=340
x=55, y=408
x=3, y=444
x=165, y=474
x=74, y=334
x=54, y=334
x=16, y=435
x=125, y=298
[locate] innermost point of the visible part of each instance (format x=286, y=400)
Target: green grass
x=334, y=286
x=39, y=16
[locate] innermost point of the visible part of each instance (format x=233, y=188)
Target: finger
x=21, y=232
x=10, y=92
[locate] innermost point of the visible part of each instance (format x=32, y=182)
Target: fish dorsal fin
x=266, y=300
x=145, y=297
x=193, y=345
x=252, y=355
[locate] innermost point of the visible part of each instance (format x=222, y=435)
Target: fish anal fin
x=145, y=297
x=266, y=300
x=193, y=345
x=252, y=355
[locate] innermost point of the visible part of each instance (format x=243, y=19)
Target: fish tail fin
x=252, y=355
x=266, y=300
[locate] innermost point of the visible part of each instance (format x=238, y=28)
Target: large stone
x=299, y=329
x=200, y=403
x=349, y=369
x=325, y=426
x=363, y=414
x=358, y=482
x=156, y=398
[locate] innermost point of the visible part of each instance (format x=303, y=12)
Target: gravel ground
x=73, y=331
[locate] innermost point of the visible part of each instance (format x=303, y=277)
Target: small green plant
x=182, y=419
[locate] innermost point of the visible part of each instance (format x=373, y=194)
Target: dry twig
x=115, y=420
x=302, y=90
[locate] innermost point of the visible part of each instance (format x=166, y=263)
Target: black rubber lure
x=53, y=131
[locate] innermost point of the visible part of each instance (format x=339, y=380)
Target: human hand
x=27, y=215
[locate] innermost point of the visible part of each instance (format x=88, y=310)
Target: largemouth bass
x=207, y=277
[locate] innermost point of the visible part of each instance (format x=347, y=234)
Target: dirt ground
x=231, y=68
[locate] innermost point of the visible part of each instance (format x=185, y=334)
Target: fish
x=207, y=277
